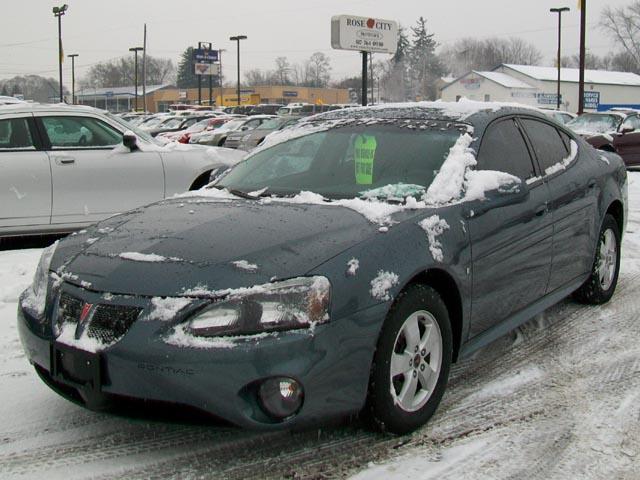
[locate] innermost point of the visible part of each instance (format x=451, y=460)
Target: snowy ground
x=560, y=399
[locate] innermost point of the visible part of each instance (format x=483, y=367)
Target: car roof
x=48, y=107
x=464, y=111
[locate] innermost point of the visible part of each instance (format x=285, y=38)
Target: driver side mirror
x=130, y=140
x=503, y=196
x=628, y=129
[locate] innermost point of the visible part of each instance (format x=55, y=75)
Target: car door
x=91, y=178
x=511, y=245
x=572, y=201
x=25, y=178
x=627, y=144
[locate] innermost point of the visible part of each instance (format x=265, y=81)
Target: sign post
x=204, y=56
x=365, y=35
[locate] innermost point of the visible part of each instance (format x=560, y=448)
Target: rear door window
x=15, y=135
x=79, y=132
x=548, y=146
x=504, y=149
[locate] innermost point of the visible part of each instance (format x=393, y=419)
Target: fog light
x=280, y=397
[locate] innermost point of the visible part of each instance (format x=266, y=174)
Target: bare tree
x=120, y=72
x=281, y=73
x=473, y=54
x=623, y=25
x=318, y=70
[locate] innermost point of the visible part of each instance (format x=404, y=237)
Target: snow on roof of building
x=572, y=75
x=504, y=79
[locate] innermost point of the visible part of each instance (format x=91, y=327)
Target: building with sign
x=160, y=97
x=533, y=85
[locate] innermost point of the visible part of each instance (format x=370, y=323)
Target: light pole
x=135, y=50
x=237, y=38
x=583, y=54
x=559, y=11
x=73, y=76
x=59, y=12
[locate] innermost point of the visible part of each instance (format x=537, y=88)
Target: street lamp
x=559, y=11
x=135, y=50
x=237, y=38
x=73, y=76
x=59, y=12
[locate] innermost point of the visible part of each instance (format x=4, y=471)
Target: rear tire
x=412, y=361
x=601, y=285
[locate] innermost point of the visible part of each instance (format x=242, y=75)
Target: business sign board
x=591, y=100
x=289, y=93
x=364, y=34
x=207, y=69
x=201, y=55
x=471, y=83
x=548, y=98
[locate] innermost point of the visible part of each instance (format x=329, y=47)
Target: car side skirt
x=519, y=318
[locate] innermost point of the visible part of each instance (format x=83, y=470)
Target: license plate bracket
x=75, y=367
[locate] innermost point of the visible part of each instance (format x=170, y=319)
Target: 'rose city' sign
x=364, y=34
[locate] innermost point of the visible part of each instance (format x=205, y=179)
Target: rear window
x=547, y=143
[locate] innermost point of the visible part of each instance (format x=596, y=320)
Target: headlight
x=38, y=296
x=292, y=304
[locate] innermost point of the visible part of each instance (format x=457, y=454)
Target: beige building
x=159, y=97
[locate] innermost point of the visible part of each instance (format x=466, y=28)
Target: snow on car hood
x=170, y=247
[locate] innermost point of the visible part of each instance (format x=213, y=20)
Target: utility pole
x=135, y=51
x=73, y=77
x=365, y=90
x=237, y=38
x=59, y=12
x=559, y=11
x=583, y=51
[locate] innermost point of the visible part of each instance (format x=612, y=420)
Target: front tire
x=601, y=285
x=412, y=361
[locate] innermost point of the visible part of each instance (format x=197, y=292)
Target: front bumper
x=332, y=363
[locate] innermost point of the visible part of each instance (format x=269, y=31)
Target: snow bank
x=381, y=285
x=434, y=226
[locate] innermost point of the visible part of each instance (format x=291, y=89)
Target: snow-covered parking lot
x=560, y=398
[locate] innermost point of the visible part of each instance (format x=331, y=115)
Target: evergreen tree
x=425, y=67
x=5, y=92
x=187, y=77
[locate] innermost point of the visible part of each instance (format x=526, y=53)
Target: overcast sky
x=99, y=30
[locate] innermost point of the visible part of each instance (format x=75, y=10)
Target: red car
x=614, y=131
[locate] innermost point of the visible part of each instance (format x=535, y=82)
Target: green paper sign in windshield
x=365, y=152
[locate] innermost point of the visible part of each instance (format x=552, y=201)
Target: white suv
x=65, y=167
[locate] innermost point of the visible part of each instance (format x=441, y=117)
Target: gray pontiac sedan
x=340, y=268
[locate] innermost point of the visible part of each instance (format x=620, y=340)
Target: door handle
x=591, y=184
x=65, y=160
x=540, y=211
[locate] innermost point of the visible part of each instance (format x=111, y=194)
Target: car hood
x=176, y=245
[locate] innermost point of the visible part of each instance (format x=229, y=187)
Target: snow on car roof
x=46, y=107
x=572, y=75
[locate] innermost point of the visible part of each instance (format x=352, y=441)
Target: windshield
x=272, y=124
x=127, y=126
x=350, y=161
x=172, y=123
x=232, y=125
x=593, y=122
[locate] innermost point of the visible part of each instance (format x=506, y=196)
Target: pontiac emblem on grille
x=84, y=314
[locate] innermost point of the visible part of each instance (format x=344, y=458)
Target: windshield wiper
x=236, y=192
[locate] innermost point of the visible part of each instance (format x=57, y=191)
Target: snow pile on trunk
x=245, y=265
x=165, y=309
x=564, y=163
x=381, y=285
x=434, y=226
